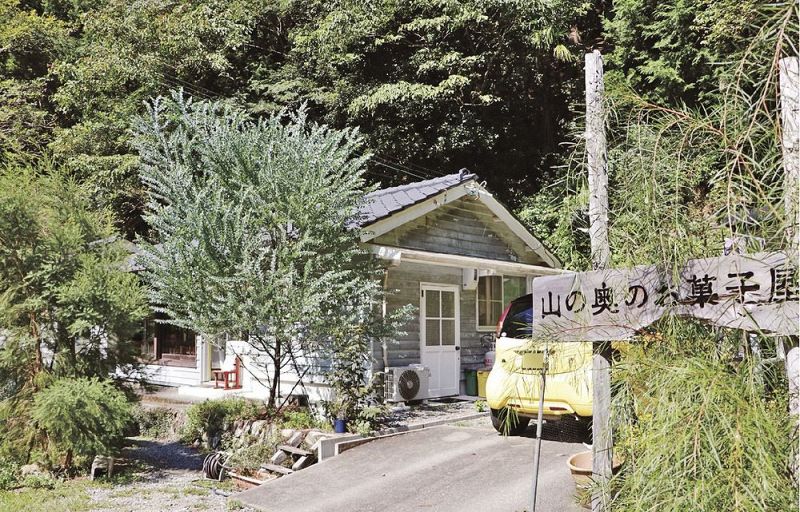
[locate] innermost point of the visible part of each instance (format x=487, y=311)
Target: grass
x=69, y=496
x=235, y=505
x=74, y=495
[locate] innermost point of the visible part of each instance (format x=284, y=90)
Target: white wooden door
x=440, y=342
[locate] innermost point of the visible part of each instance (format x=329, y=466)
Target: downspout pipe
x=384, y=308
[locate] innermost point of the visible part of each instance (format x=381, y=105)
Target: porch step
x=294, y=450
x=276, y=469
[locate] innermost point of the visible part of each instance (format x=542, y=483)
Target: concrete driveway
x=441, y=469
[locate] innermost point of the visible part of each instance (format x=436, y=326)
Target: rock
x=31, y=469
x=278, y=457
x=295, y=439
x=312, y=438
x=286, y=433
x=302, y=462
x=257, y=427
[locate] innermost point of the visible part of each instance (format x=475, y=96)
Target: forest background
x=491, y=85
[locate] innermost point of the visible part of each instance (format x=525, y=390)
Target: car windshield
x=517, y=323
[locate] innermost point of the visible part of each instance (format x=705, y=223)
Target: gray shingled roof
x=383, y=203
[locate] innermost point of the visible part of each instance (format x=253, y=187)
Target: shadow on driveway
x=563, y=431
x=166, y=455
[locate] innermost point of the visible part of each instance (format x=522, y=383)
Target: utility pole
x=602, y=436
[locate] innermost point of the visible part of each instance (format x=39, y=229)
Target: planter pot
x=580, y=465
x=340, y=426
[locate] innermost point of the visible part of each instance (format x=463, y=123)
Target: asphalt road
x=439, y=469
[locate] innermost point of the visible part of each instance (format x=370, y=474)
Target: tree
x=67, y=307
x=253, y=227
x=436, y=86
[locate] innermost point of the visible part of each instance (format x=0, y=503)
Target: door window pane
x=448, y=305
x=432, y=333
x=432, y=303
x=448, y=332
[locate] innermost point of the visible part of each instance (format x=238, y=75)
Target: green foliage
x=439, y=85
x=212, y=417
x=9, y=474
x=483, y=84
x=155, y=422
x=299, y=420
x=67, y=306
x=356, y=398
x=253, y=220
x=671, y=51
x=247, y=460
x=480, y=405
x=81, y=417
x=39, y=481
x=700, y=433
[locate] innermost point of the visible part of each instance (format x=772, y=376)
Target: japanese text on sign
x=752, y=292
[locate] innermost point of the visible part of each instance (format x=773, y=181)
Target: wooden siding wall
x=404, y=283
x=170, y=375
x=465, y=227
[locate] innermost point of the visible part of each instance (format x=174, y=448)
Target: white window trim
x=484, y=328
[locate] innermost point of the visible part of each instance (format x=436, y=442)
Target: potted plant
x=340, y=409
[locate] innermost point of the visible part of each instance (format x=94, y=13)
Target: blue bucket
x=340, y=426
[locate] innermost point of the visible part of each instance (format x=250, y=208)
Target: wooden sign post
x=602, y=438
x=790, y=142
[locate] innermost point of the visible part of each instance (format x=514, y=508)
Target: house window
x=166, y=344
x=494, y=294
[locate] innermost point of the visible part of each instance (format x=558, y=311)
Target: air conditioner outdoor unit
x=406, y=383
x=469, y=278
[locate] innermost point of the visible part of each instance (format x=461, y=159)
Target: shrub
x=9, y=472
x=698, y=432
x=81, y=417
x=155, y=422
x=300, y=420
x=248, y=459
x=211, y=417
x=39, y=481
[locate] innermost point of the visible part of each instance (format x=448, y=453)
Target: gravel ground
x=164, y=476
x=446, y=409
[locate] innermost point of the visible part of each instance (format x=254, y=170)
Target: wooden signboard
x=599, y=305
x=752, y=292
x=756, y=292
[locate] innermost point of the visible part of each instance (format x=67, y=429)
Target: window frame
x=492, y=328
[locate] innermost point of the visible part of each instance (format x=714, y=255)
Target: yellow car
x=515, y=379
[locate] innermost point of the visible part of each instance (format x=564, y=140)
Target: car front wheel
x=513, y=425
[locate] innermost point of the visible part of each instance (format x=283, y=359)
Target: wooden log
x=602, y=437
